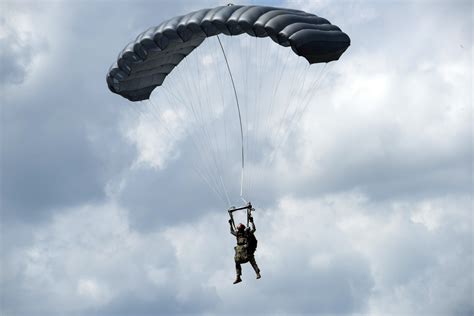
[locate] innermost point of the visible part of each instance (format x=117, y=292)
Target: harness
x=241, y=238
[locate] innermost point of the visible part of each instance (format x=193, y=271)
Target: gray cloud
x=52, y=154
x=367, y=209
x=336, y=254
x=151, y=196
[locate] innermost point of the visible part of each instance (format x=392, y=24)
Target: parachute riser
x=247, y=207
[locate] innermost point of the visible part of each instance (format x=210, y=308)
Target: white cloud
x=22, y=44
x=92, y=291
x=427, y=215
x=156, y=135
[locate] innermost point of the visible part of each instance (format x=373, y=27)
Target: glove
x=251, y=219
x=230, y=221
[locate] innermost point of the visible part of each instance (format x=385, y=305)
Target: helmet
x=241, y=226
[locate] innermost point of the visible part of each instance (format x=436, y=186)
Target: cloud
x=338, y=253
x=156, y=142
x=51, y=158
x=366, y=209
x=21, y=46
x=75, y=261
x=388, y=119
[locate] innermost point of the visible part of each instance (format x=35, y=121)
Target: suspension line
x=240, y=117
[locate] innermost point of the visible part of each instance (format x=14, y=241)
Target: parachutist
x=246, y=243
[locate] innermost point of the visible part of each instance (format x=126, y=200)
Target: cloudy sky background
x=366, y=210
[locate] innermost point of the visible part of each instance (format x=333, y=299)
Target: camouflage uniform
x=241, y=253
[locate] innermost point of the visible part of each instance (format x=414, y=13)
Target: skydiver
x=245, y=249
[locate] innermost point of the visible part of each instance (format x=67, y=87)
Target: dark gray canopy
x=145, y=62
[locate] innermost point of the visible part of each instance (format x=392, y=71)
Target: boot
x=237, y=279
x=258, y=275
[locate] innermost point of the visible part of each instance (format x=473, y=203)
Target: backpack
x=251, y=243
x=241, y=254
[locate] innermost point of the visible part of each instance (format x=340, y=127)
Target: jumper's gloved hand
x=251, y=219
x=230, y=221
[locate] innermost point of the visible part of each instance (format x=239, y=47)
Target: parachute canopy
x=144, y=63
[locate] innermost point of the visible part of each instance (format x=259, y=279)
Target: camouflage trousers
x=238, y=267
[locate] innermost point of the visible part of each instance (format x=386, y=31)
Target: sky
x=367, y=208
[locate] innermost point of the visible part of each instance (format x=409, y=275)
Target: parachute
x=145, y=63
x=214, y=63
